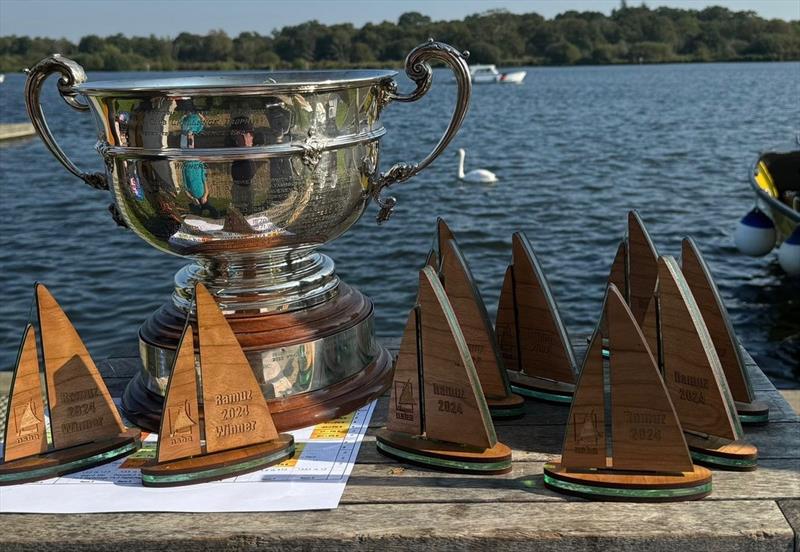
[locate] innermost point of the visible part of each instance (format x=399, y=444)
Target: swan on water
x=477, y=175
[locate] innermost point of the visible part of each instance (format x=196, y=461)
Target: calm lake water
x=574, y=150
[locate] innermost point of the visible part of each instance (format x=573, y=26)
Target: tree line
x=628, y=35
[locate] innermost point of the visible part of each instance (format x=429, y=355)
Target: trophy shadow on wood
x=240, y=435
x=680, y=340
x=645, y=457
x=533, y=339
x=473, y=319
x=86, y=428
x=438, y=416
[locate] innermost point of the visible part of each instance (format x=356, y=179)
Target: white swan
x=477, y=175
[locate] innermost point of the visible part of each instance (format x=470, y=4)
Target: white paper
x=313, y=479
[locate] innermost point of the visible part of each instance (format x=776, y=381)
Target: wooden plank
x=380, y=483
x=791, y=509
x=721, y=526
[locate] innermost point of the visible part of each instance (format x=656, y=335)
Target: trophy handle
x=418, y=70
x=71, y=74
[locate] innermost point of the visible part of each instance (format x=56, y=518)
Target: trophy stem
x=253, y=285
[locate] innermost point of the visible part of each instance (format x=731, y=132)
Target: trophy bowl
x=246, y=175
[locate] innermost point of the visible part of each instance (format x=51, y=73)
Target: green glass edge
x=720, y=461
x=219, y=471
x=754, y=418
x=552, y=397
x=75, y=465
x=441, y=462
x=628, y=493
x=507, y=412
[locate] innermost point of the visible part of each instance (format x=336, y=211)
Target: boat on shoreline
x=482, y=74
x=774, y=179
x=775, y=220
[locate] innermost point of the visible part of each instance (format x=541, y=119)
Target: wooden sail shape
x=533, y=338
x=86, y=428
x=642, y=267
x=240, y=436
x=81, y=409
x=179, y=435
x=693, y=375
x=25, y=431
x=438, y=416
x=715, y=316
x=473, y=320
x=649, y=459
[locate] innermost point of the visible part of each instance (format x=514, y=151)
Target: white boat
x=489, y=74
x=2, y=78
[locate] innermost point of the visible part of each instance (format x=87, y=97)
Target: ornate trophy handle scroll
x=418, y=70
x=71, y=75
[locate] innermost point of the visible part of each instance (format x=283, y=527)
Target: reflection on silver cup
x=246, y=175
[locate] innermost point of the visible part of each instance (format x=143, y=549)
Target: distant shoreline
x=628, y=36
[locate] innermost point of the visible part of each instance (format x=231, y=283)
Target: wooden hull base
x=218, y=465
x=440, y=456
x=71, y=460
x=628, y=487
x=508, y=408
x=754, y=413
x=721, y=454
x=541, y=389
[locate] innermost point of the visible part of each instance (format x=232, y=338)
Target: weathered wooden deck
x=387, y=506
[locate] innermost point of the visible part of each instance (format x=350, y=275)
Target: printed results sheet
x=313, y=479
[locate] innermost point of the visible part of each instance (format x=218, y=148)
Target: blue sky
x=76, y=18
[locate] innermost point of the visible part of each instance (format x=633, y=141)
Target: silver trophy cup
x=246, y=175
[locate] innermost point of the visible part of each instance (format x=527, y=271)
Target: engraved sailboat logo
x=405, y=397
x=180, y=421
x=26, y=422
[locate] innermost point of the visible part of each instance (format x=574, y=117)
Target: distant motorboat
x=2, y=78
x=489, y=74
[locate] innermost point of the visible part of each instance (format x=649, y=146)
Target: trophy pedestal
x=313, y=363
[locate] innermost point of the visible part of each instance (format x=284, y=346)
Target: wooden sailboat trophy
x=635, y=268
x=533, y=340
x=438, y=417
x=692, y=371
x=470, y=310
x=240, y=436
x=715, y=316
x=86, y=428
x=645, y=457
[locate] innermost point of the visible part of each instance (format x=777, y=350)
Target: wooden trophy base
x=348, y=368
x=69, y=460
x=441, y=456
x=754, y=413
x=507, y=408
x=541, y=389
x=218, y=465
x=607, y=485
x=722, y=454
